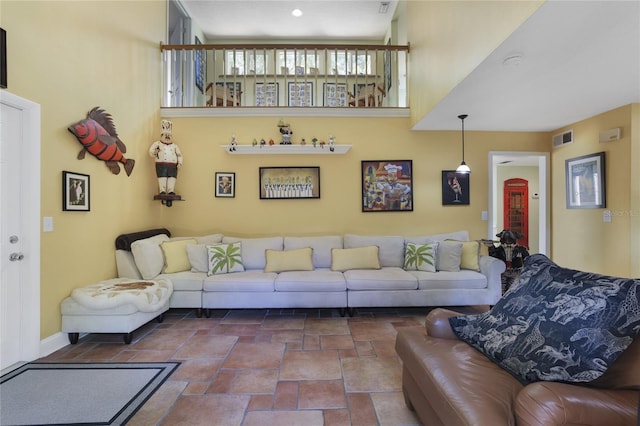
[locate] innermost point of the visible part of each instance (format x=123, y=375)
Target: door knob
x=16, y=256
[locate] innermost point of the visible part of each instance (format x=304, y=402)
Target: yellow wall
x=581, y=239
x=449, y=39
x=338, y=210
x=70, y=56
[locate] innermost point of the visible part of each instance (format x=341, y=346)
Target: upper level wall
x=449, y=39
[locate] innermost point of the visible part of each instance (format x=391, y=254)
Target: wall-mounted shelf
x=285, y=149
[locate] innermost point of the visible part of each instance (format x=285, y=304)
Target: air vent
x=562, y=139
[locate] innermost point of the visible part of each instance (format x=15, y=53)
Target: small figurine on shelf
x=168, y=158
x=254, y=142
x=314, y=141
x=303, y=141
x=271, y=142
x=332, y=143
x=234, y=143
x=285, y=130
x=262, y=142
x=322, y=143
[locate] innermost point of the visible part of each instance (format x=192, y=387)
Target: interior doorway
x=515, y=210
x=504, y=165
x=20, y=230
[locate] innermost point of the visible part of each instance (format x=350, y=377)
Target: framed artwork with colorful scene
x=387, y=185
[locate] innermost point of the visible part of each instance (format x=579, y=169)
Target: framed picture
x=200, y=67
x=387, y=186
x=300, y=94
x=289, y=182
x=75, y=192
x=387, y=68
x=335, y=94
x=267, y=94
x=586, y=182
x=225, y=184
x=455, y=188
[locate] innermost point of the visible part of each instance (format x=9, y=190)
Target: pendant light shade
x=463, y=168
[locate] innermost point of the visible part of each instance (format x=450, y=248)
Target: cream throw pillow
x=470, y=255
x=355, y=258
x=289, y=260
x=449, y=256
x=175, y=255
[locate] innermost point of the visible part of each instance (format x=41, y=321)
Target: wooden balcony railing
x=284, y=75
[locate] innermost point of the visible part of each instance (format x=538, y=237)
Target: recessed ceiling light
x=296, y=12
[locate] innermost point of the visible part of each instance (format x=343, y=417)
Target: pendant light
x=463, y=168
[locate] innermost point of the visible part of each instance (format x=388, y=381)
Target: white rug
x=88, y=394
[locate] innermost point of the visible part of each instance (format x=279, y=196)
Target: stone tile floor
x=267, y=367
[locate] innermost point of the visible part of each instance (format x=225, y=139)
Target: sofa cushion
x=443, y=280
x=198, y=257
x=209, y=239
x=420, y=257
x=253, y=249
x=289, y=260
x=470, y=255
x=391, y=247
x=355, y=258
x=449, y=256
x=250, y=281
x=186, y=280
x=321, y=246
x=148, y=255
x=320, y=279
x=175, y=255
x=225, y=258
x=556, y=324
x=389, y=278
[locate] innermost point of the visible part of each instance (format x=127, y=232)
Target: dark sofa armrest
x=551, y=403
x=437, y=323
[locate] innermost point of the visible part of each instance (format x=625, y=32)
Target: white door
x=19, y=230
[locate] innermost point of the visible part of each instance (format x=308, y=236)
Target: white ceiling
x=579, y=58
x=357, y=20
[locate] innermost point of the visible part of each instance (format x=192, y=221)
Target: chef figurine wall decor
x=168, y=159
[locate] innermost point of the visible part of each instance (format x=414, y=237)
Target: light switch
x=485, y=215
x=606, y=216
x=47, y=224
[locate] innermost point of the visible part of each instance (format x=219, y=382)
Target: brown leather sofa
x=448, y=382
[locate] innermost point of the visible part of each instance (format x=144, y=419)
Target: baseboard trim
x=53, y=343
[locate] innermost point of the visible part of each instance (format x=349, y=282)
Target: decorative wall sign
x=335, y=94
x=387, y=186
x=75, y=192
x=267, y=94
x=289, y=182
x=585, y=180
x=455, y=188
x=225, y=184
x=300, y=94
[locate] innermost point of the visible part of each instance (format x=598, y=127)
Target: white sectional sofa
x=333, y=271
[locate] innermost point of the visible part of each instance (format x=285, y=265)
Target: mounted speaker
x=562, y=139
x=610, y=135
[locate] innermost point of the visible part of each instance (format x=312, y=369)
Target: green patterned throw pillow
x=420, y=257
x=224, y=258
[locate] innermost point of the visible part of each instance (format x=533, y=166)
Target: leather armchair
x=448, y=382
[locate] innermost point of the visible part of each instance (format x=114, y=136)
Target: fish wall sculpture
x=98, y=135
